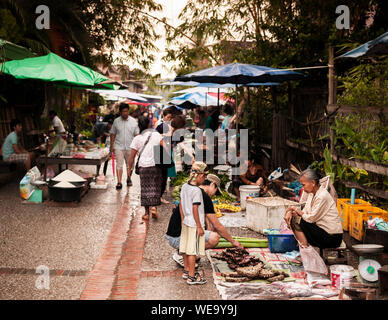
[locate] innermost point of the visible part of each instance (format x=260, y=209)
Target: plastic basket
x=280, y=243
x=343, y=207
x=360, y=214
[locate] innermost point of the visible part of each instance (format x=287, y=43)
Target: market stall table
x=73, y=161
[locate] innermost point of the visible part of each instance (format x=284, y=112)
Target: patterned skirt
x=150, y=186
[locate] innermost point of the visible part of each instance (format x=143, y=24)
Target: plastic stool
x=342, y=254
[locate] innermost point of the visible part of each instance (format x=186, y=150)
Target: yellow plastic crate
x=343, y=206
x=360, y=214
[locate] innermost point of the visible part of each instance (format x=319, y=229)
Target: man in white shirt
x=57, y=123
x=123, y=130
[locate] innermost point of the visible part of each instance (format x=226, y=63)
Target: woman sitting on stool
x=318, y=224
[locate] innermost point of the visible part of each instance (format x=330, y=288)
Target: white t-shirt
x=147, y=157
x=58, y=123
x=192, y=195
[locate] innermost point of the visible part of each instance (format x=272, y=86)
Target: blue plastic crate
x=280, y=243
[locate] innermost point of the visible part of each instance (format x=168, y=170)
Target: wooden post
x=332, y=93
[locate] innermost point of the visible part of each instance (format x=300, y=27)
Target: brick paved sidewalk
x=136, y=262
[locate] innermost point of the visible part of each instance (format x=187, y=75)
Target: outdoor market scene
x=193, y=150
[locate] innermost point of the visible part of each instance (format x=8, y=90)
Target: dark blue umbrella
x=378, y=46
x=240, y=73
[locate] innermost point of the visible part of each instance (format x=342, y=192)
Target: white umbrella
x=122, y=94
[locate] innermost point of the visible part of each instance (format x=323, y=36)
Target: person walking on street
x=150, y=174
x=123, y=130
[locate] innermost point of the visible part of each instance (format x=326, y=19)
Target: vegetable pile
x=246, y=242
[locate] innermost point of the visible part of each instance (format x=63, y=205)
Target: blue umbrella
x=239, y=73
x=215, y=85
x=193, y=100
x=378, y=46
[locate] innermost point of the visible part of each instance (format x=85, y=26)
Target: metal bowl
x=363, y=249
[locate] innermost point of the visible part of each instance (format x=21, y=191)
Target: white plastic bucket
x=248, y=191
x=341, y=275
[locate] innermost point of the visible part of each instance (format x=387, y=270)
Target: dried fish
x=279, y=277
x=232, y=279
x=231, y=274
x=251, y=271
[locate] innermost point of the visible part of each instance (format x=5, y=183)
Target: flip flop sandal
x=119, y=186
x=154, y=213
x=197, y=279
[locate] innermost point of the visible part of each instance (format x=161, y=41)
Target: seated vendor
x=254, y=176
x=12, y=150
x=318, y=224
x=214, y=228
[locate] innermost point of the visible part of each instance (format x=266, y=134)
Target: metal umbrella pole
x=237, y=115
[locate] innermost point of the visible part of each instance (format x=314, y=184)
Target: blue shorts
x=175, y=241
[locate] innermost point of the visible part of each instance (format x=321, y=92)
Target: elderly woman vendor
x=318, y=224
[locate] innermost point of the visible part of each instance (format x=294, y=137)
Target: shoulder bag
x=141, y=151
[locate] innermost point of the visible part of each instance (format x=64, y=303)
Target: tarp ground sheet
x=295, y=286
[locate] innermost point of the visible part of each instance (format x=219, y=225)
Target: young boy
x=191, y=207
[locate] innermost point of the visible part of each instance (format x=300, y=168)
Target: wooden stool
x=342, y=254
x=383, y=279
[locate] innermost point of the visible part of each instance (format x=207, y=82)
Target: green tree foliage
x=281, y=33
x=87, y=30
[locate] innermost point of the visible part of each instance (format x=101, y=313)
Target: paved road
x=99, y=250
x=63, y=239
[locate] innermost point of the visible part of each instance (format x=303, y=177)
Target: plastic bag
x=275, y=174
x=283, y=229
x=317, y=279
x=25, y=186
x=312, y=261
x=58, y=147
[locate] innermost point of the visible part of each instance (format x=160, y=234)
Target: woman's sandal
x=185, y=275
x=154, y=213
x=197, y=279
x=164, y=201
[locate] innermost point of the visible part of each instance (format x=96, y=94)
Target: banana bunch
x=229, y=207
x=219, y=214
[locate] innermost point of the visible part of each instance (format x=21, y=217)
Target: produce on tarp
x=247, y=267
x=246, y=242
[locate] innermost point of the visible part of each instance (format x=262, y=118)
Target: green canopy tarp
x=11, y=51
x=55, y=69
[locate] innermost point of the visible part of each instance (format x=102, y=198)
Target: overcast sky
x=171, y=10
